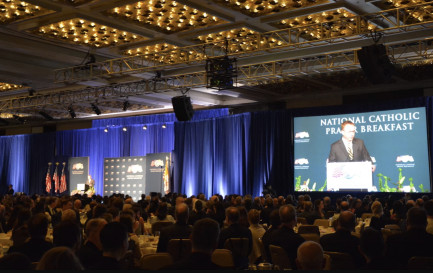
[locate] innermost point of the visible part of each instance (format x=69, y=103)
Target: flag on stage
x=166, y=177
x=63, y=180
x=56, y=181
x=48, y=180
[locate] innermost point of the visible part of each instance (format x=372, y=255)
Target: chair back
x=179, y=248
x=279, y=257
x=240, y=251
x=265, y=257
x=420, y=263
x=321, y=222
x=155, y=261
x=311, y=237
x=223, y=258
x=328, y=260
x=366, y=215
x=309, y=229
x=157, y=226
x=302, y=220
x=340, y=260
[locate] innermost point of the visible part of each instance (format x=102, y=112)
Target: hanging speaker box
x=182, y=108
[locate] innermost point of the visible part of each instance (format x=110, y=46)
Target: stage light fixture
x=106, y=130
x=221, y=73
x=145, y=127
x=164, y=126
x=45, y=115
x=126, y=105
x=125, y=129
x=71, y=112
x=31, y=92
x=95, y=109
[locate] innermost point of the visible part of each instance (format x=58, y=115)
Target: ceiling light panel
x=414, y=11
x=262, y=7
x=80, y=31
x=327, y=24
x=14, y=10
x=240, y=40
x=165, y=15
x=8, y=86
x=166, y=53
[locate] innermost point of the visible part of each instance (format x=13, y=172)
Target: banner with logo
x=396, y=141
x=125, y=175
x=157, y=173
x=78, y=171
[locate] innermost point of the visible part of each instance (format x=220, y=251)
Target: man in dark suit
x=349, y=148
x=413, y=242
x=342, y=240
x=236, y=230
x=204, y=240
x=180, y=230
x=285, y=236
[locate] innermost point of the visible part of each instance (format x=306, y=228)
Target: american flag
x=166, y=177
x=56, y=181
x=63, y=180
x=48, y=180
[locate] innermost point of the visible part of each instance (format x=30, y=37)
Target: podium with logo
x=349, y=176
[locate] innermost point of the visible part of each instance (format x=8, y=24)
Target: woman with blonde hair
x=377, y=220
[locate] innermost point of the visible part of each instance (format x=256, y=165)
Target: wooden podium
x=349, y=176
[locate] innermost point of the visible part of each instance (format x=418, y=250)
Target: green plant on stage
x=422, y=188
x=400, y=181
x=412, y=187
x=324, y=186
x=298, y=183
x=383, y=186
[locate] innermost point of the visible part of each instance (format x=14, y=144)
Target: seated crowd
x=80, y=232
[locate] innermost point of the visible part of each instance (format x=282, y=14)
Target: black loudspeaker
x=375, y=63
x=182, y=108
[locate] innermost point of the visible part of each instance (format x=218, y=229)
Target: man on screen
x=349, y=148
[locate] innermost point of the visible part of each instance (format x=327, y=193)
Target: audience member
x=91, y=251
x=204, y=240
x=285, y=236
x=15, y=261
x=179, y=230
x=342, y=240
x=372, y=247
x=310, y=256
x=377, y=220
x=257, y=232
x=413, y=242
x=67, y=234
x=428, y=206
x=59, y=258
x=114, y=239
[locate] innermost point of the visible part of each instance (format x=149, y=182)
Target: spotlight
x=106, y=130
x=95, y=109
x=71, y=112
x=45, y=115
x=145, y=127
x=221, y=73
x=164, y=126
x=125, y=129
x=19, y=119
x=126, y=105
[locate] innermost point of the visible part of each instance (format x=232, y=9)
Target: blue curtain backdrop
x=213, y=153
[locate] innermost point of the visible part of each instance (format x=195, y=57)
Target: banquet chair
x=279, y=257
x=240, y=250
x=420, y=263
x=340, y=260
x=155, y=261
x=179, y=248
x=157, y=226
x=302, y=220
x=321, y=222
x=328, y=261
x=223, y=258
x=311, y=237
x=309, y=229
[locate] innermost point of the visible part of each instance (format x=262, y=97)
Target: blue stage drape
x=213, y=153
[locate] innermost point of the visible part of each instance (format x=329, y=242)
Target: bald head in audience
x=310, y=256
x=416, y=218
x=182, y=213
x=346, y=220
x=288, y=215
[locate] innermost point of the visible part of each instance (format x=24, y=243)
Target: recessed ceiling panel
x=165, y=15
x=80, y=31
x=14, y=10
